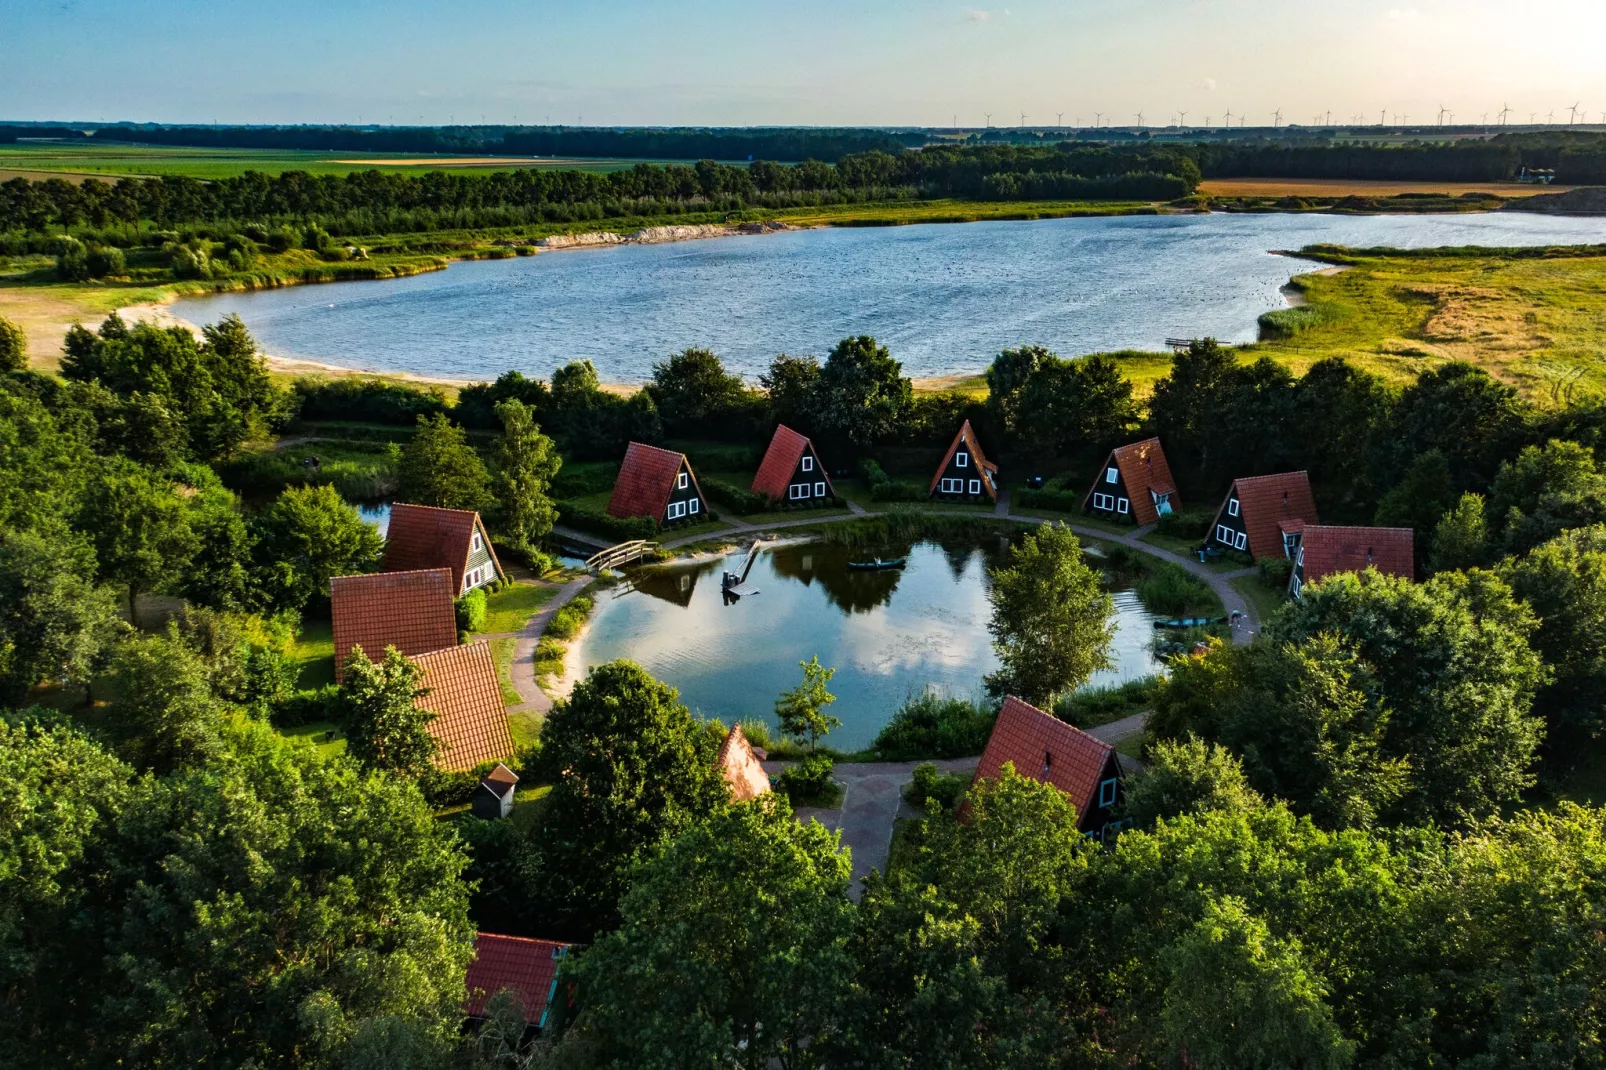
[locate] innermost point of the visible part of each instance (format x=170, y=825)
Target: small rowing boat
x=870, y=566
x=1189, y=622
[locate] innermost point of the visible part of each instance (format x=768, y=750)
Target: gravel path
x=522, y=671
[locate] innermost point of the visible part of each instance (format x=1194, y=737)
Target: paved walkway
x=872, y=800
x=522, y=671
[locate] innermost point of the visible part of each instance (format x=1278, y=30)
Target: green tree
x=1564, y=582
x=1461, y=540
x=1240, y=997
x=526, y=464
x=165, y=716
x=1069, y=403
x=631, y=769
x=1007, y=377
x=1545, y=491
x=1475, y=421
x=751, y=908
x=439, y=467
x=1185, y=402
x=790, y=385
x=1452, y=663
x=385, y=729
x=1421, y=498
x=1188, y=777
x=693, y=387
x=54, y=622
x=861, y=392
x=1051, y=618
x=801, y=709
x=140, y=524
x=308, y=536
x=47, y=462
x=260, y=910
x=13, y=347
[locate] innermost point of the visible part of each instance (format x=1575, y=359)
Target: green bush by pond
x=930, y=726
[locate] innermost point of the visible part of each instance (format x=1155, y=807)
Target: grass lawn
x=1132, y=744
x=316, y=733
x=508, y=609
x=907, y=834
x=314, y=654
x=1186, y=548
x=1261, y=598
x=502, y=651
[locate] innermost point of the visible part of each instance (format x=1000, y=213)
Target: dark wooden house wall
x=813, y=483
x=1105, y=498
x=971, y=474
x=680, y=508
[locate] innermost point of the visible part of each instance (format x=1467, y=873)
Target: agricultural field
x=1361, y=187
x=77, y=161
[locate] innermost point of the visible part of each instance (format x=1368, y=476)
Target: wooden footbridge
x=622, y=554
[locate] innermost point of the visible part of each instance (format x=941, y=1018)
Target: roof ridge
x=393, y=572
x=434, y=508
x=656, y=449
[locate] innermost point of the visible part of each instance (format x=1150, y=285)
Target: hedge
x=1062, y=501
x=733, y=497
x=883, y=488
x=600, y=523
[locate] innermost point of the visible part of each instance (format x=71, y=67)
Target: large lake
x=945, y=297
x=889, y=634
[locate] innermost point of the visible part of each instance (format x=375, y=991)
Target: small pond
x=889, y=634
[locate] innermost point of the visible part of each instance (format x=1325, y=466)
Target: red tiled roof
x=646, y=480
x=1332, y=549
x=1143, y=468
x=968, y=436
x=524, y=966
x=470, y=720
x=411, y=611
x=1046, y=749
x=422, y=536
x=740, y=767
x=1265, y=503
x=780, y=461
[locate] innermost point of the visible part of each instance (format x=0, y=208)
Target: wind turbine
x=1276, y=118
x=1229, y=118
x=1140, y=120
x=1383, y=118
x=1505, y=112
x=1023, y=118
x=989, y=119
x=1182, y=122
x=1574, y=116
x=1097, y=117
x=1440, y=120
x=1550, y=119
x=1061, y=117
x=1532, y=116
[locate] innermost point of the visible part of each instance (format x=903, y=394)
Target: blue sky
x=822, y=62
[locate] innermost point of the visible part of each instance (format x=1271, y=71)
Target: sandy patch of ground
x=1322, y=187
x=1470, y=322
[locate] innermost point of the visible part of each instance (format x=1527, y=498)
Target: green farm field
x=76, y=160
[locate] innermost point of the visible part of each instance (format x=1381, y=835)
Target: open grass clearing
x=502, y=651
x=1262, y=599
x=314, y=654
x=325, y=735
x=510, y=608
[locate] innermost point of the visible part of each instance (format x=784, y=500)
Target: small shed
x=1045, y=748
x=1134, y=485
x=965, y=474
x=422, y=536
x=494, y=797
x=657, y=484
x=1261, y=515
x=791, y=470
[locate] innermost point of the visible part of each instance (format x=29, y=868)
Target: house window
x=474, y=543
x=676, y=510
x=1107, y=793
x=1243, y=538
x=1111, y=475
x=808, y=463
x=819, y=490
x=975, y=486
x=1297, y=586
x=798, y=490
x=1224, y=534
x=681, y=481
x=1123, y=506
x=693, y=505
x=1288, y=544
x=962, y=459
x=1232, y=507
x=953, y=486
x=1104, y=502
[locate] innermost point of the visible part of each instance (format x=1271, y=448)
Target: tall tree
x=140, y=524
x=1465, y=414
x=1564, y=582
x=439, y=467
x=526, y=464
x=1051, y=618
x=385, y=729
x=752, y=909
x=13, y=347
x=165, y=716
x=1546, y=490
x=861, y=391
x=801, y=709
x=308, y=536
x=790, y=386
x=1007, y=377
x=1461, y=539
x=631, y=769
x=1188, y=777
x=54, y=622
x=693, y=387
x=1420, y=499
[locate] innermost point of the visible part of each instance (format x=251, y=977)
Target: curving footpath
x=522, y=671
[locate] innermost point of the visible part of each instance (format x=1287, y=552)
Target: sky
x=823, y=62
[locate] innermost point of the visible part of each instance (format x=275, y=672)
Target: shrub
x=757, y=731
x=567, y=622
x=733, y=497
x=809, y=783
x=931, y=726
x=1173, y=590
x=580, y=480
x=1060, y=501
x=1275, y=571
x=192, y=260
x=471, y=611
x=1100, y=705
x=282, y=239
x=930, y=784
x=306, y=707
x=443, y=788
x=369, y=400
x=72, y=260
x=1185, y=523
x=600, y=523
x=105, y=261
x=883, y=488
x=1287, y=322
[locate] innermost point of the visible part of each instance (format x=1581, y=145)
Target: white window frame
x=676, y=511
x=1107, y=793
x=953, y=486
x=797, y=491
x=1123, y=506
x=693, y=506
x=1104, y=503
x=961, y=459
x=1241, y=541
x=1112, y=475
x=808, y=463
x=1224, y=534
x=474, y=544
x=975, y=486
x=681, y=481
x=819, y=490
x=1232, y=506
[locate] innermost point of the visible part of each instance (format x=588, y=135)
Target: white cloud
x=977, y=16
x=1209, y=84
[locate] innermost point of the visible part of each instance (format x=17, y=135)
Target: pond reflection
x=889, y=634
